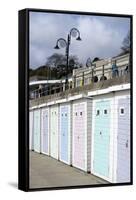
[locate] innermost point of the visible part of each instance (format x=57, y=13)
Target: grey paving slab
x=48, y=172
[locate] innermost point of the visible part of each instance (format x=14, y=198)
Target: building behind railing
x=100, y=70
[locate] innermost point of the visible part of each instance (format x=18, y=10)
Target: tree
x=55, y=60
x=40, y=71
x=58, y=61
x=55, y=66
x=126, y=44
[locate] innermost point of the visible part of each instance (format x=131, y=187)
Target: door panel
x=54, y=132
x=45, y=130
x=102, y=137
x=123, y=141
x=37, y=130
x=31, y=135
x=79, y=136
x=64, y=114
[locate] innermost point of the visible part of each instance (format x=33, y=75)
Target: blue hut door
x=45, y=131
x=37, y=130
x=64, y=133
x=102, y=138
x=123, y=141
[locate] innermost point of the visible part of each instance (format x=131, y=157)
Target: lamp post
x=74, y=32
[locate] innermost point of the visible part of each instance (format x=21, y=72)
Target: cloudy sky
x=101, y=36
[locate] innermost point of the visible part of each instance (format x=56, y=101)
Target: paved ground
x=48, y=172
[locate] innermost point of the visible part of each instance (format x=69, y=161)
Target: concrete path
x=48, y=172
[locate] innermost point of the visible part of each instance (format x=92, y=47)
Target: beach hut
x=45, y=131
x=65, y=133
x=102, y=136
x=54, y=124
x=31, y=135
x=81, y=133
x=122, y=142
x=36, y=129
x=110, y=152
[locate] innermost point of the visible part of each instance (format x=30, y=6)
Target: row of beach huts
x=90, y=132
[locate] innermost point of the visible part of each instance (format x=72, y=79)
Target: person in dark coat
x=115, y=71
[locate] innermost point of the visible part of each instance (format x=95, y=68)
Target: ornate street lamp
x=61, y=42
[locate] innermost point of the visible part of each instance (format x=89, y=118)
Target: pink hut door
x=79, y=136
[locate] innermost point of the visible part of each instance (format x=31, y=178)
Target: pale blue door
x=64, y=133
x=102, y=138
x=37, y=130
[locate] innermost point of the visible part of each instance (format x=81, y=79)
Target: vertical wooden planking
x=101, y=148
x=89, y=133
x=31, y=135
x=123, y=140
x=65, y=133
x=79, y=134
x=37, y=130
x=54, y=131
x=49, y=130
x=45, y=131
x=71, y=132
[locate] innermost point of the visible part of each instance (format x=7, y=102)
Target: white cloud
x=101, y=37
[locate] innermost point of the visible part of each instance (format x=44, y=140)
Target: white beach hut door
x=54, y=133
x=31, y=135
x=123, y=141
x=37, y=130
x=79, y=136
x=45, y=131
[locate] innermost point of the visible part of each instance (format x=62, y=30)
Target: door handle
x=78, y=137
x=127, y=144
x=100, y=133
